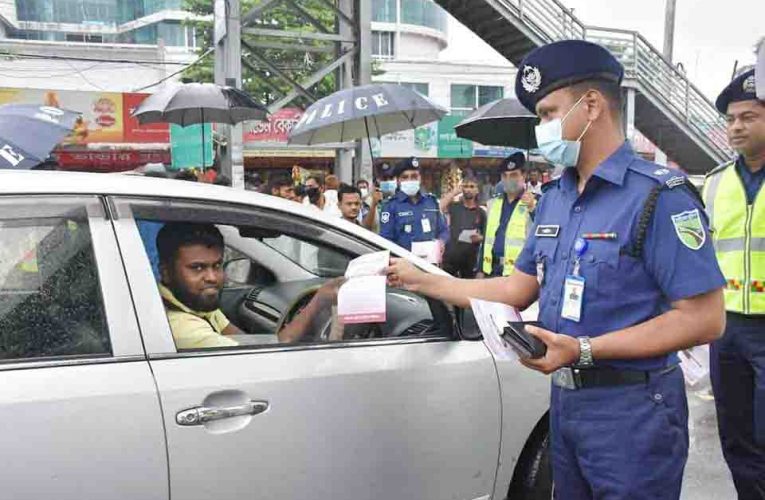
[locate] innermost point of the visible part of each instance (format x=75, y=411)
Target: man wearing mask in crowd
x=363, y=186
x=508, y=220
x=379, y=197
x=466, y=221
x=411, y=215
x=534, y=182
x=349, y=200
x=314, y=190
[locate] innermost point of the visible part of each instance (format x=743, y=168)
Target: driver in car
x=192, y=277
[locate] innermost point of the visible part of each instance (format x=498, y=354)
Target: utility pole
x=669, y=29
x=228, y=71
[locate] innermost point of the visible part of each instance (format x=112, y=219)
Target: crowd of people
x=473, y=237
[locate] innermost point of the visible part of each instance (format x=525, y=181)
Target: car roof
x=27, y=182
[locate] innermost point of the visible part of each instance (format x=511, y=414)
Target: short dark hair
x=610, y=90
x=175, y=235
x=279, y=183
x=347, y=189
x=222, y=180
x=362, y=180
x=318, y=178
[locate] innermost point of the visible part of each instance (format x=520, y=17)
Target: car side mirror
x=238, y=271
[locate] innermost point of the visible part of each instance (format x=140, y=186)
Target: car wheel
x=532, y=479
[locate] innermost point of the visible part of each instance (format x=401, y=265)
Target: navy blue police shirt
x=620, y=290
x=752, y=180
x=404, y=222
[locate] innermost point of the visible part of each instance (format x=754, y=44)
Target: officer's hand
x=403, y=274
x=476, y=238
x=562, y=350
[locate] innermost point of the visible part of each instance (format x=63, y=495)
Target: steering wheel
x=296, y=307
x=323, y=333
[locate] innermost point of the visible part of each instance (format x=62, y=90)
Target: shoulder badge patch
x=661, y=171
x=385, y=217
x=689, y=228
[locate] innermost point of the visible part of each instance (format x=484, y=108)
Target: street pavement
x=706, y=475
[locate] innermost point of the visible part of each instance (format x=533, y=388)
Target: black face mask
x=313, y=194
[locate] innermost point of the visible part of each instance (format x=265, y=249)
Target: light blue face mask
x=553, y=147
x=410, y=188
x=388, y=187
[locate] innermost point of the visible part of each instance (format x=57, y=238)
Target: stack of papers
x=492, y=317
x=361, y=299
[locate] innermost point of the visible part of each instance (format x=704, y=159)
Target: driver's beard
x=202, y=303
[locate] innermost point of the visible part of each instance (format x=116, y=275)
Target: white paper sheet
x=371, y=264
x=428, y=250
x=466, y=234
x=492, y=318
x=362, y=300
x=695, y=363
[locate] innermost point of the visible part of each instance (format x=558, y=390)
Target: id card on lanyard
x=573, y=287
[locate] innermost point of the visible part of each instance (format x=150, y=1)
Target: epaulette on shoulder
x=665, y=178
x=718, y=169
x=550, y=184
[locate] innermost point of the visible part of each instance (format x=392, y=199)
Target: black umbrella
x=500, y=123
x=190, y=103
x=29, y=132
x=359, y=112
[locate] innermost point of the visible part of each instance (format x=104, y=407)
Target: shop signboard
x=133, y=132
x=275, y=130
x=449, y=145
x=186, y=146
x=420, y=142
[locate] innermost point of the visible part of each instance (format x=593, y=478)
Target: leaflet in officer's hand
x=492, y=317
x=694, y=363
x=428, y=250
x=361, y=299
x=466, y=235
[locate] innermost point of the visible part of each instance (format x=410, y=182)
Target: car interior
x=273, y=269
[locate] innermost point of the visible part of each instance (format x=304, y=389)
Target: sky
x=710, y=35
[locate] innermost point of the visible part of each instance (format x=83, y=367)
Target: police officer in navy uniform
x=622, y=264
x=412, y=215
x=735, y=202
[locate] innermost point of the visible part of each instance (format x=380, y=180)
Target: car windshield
x=319, y=260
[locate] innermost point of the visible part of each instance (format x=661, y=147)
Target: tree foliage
x=257, y=79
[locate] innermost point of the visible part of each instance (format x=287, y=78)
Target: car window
x=279, y=306
x=319, y=260
x=50, y=297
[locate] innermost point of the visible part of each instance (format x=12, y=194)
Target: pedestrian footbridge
x=661, y=102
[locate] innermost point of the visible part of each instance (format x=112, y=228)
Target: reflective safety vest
x=515, y=235
x=738, y=234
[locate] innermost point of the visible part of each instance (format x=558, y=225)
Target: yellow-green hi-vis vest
x=515, y=235
x=738, y=234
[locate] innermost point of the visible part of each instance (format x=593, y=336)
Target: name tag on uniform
x=573, y=293
x=547, y=231
x=405, y=214
x=425, y=225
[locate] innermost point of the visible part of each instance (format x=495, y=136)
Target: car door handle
x=200, y=415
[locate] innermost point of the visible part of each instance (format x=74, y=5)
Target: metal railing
x=549, y=20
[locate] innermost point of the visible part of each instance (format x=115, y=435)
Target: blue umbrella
x=29, y=132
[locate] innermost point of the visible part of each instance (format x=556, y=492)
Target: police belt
x=573, y=378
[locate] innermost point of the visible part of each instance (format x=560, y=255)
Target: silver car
x=97, y=402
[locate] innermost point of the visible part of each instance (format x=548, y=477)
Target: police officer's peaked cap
x=411, y=163
x=515, y=161
x=561, y=64
x=742, y=88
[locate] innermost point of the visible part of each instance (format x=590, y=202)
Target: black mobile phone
x=522, y=342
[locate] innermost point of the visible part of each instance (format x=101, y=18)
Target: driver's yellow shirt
x=195, y=329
